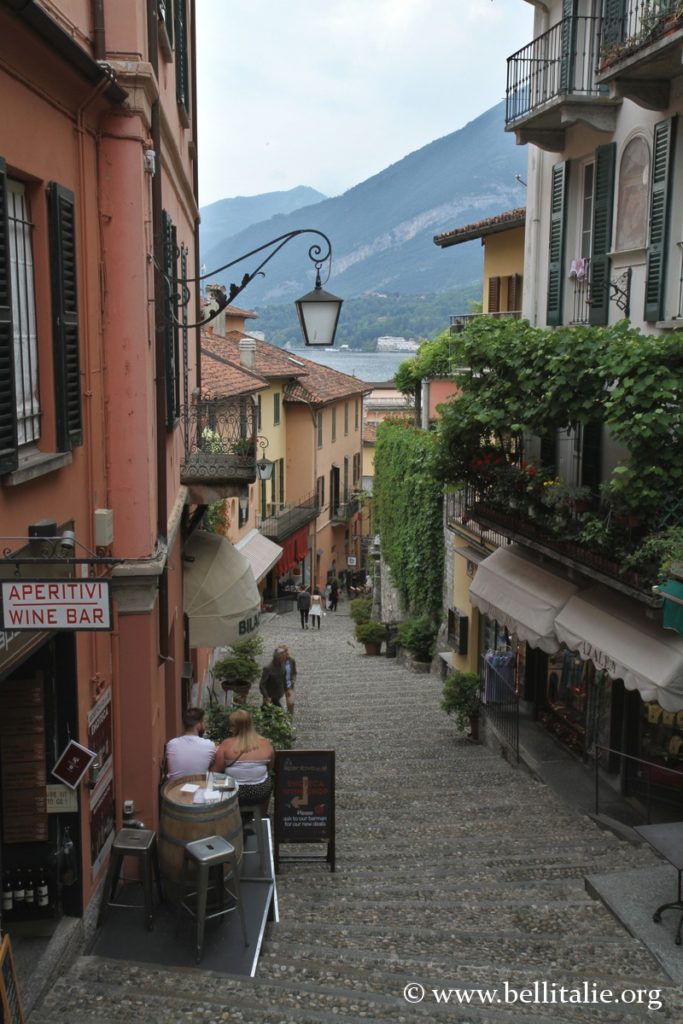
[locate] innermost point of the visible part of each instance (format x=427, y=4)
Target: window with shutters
x=660, y=199
x=634, y=184
x=171, y=325
x=320, y=491
x=182, y=81
x=346, y=417
x=494, y=295
x=334, y=423
x=356, y=416
x=276, y=409
x=514, y=303
x=559, y=182
x=319, y=428
x=24, y=340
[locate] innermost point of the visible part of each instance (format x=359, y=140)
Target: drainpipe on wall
x=98, y=36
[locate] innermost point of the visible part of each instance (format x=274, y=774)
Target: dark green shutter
x=560, y=178
x=603, y=204
x=567, y=46
x=8, y=404
x=170, y=321
x=185, y=333
x=65, y=337
x=181, y=80
x=614, y=20
x=660, y=199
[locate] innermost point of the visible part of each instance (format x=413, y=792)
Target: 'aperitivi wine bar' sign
x=56, y=604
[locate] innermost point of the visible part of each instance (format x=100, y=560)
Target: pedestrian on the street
x=334, y=595
x=290, y=679
x=272, y=685
x=316, y=612
x=303, y=604
x=327, y=594
x=191, y=753
x=247, y=757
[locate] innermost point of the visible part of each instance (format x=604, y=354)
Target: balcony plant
x=238, y=670
x=371, y=634
x=461, y=698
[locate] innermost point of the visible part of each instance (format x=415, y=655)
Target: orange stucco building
x=98, y=369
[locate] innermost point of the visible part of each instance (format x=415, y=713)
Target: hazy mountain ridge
x=382, y=229
x=227, y=217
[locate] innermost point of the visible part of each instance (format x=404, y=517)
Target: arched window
x=634, y=179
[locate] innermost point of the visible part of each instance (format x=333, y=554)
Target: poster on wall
x=100, y=730
x=101, y=821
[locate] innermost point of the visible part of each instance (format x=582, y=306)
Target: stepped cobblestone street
x=455, y=870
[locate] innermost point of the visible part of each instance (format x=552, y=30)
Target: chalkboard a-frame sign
x=304, y=801
x=11, y=1011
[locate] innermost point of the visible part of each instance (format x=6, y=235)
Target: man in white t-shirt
x=190, y=754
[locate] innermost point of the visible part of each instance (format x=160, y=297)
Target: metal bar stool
x=204, y=855
x=140, y=843
x=252, y=821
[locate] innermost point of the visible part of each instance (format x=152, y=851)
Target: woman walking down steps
x=454, y=870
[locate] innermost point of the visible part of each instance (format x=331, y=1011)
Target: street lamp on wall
x=318, y=310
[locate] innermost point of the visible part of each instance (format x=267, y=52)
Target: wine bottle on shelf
x=7, y=894
x=29, y=890
x=18, y=890
x=42, y=894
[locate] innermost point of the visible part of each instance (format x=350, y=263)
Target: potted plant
x=461, y=697
x=239, y=669
x=272, y=722
x=418, y=636
x=371, y=633
x=360, y=609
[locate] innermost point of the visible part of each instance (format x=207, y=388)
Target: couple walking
x=278, y=678
x=310, y=606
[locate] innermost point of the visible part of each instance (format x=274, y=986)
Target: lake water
x=374, y=367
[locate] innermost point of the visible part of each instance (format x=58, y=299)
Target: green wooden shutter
x=65, y=335
x=170, y=324
x=560, y=178
x=567, y=46
x=660, y=199
x=603, y=204
x=8, y=404
x=181, y=78
x=613, y=21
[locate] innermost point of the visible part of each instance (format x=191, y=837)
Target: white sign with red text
x=56, y=604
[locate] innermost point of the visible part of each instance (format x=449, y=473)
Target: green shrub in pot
x=461, y=697
x=371, y=632
x=360, y=609
x=418, y=636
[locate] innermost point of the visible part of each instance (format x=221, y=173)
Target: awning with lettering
x=614, y=632
x=221, y=598
x=521, y=595
x=261, y=553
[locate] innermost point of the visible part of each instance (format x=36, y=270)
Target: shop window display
x=565, y=709
x=662, y=742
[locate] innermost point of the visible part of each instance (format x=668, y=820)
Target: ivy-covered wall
x=408, y=507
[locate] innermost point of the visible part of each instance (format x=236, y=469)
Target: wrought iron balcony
x=551, y=84
x=286, y=518
x=220, y=447
x=344, y=511
x=641, y=50
x=460, y=321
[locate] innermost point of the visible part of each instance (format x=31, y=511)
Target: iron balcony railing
x=344, y=511
x=561, y=62
x=579, y=275
x=460, y=321
x=458, y=504
x=219, y=441
x=288, y=517
x=639, y=23
x=500, y=699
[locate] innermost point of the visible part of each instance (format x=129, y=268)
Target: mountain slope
x=382, y=229
x=227, y=217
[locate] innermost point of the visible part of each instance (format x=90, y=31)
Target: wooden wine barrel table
x=182, y=821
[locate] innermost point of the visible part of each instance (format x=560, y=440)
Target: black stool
x=253, y=821
x=204, y=855
x=140, y=843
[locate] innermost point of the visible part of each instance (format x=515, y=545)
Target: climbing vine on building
x=408, y=505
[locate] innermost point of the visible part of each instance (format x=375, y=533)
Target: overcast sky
x=327, y=93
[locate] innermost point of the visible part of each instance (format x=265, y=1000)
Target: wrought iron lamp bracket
x=620, y=291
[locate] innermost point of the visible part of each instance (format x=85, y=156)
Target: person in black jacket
x=303, y=603
x=272, y=685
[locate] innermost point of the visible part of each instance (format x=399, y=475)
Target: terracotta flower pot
x=373, y=650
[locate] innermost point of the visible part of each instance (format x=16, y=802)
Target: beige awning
x=521, y=596
x=261, y=553
x=613, y=632
x=221, y=598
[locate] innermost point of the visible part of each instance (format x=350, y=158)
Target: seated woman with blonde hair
x=247, y=757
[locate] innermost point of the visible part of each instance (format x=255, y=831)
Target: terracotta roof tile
x=221, y=378
x=490, y=226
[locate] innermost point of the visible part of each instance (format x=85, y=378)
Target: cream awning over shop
x=615, y=634
x=261, y=553
x=221, y=598
x=521, y=596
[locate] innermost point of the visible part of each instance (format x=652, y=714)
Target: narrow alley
x=454, y=871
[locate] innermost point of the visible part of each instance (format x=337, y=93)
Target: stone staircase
x=454, y=871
